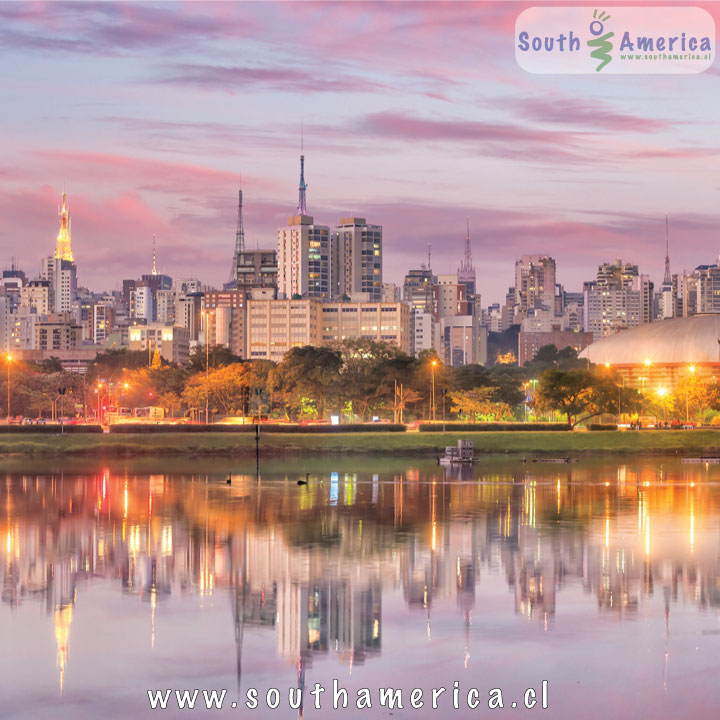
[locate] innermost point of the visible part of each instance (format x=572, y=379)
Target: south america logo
x=601, y=43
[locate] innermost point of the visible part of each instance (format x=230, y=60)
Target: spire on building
x=63, y=249
x=429, y=249
x=154, y=267
x=302, y=196
x=466, y=265
x=667, y=280
x=239, y=238
x=466, y=271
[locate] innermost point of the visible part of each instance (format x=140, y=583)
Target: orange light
x=9, y=358
x=648, y=363
x=692, y=368
x=607, y=365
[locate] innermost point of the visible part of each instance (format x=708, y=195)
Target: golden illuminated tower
x=62, y=618
x=63, y=251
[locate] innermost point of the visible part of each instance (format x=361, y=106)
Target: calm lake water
x=600, y=577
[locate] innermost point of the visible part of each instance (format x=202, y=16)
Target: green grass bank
x=689, y=442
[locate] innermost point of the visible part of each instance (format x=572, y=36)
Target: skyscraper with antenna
x=304, y=255
x=666, y=300
x=466, y=271
x=60, y=268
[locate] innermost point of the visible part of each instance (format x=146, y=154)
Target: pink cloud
x=282, y=79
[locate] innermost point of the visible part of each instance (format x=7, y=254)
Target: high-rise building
x=224, y=319
x=534, y=284
x=59, y=269
x=142, y=303
x=304, y=253
x=165, y=306
x=102, y=321
x=618, y=299
x=57, y=331
x=358, y=249
x=257, y=269
x=450, y=297
x=418, y=289
x=35, y=296
x=419, y=292
x=462, y=340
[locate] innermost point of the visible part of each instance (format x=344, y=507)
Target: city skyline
x=193, y=98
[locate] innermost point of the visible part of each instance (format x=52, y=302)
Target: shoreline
x=242, y=445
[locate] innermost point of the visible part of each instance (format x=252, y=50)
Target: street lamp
x=97, y=390
x=9, y=360
x=433, y=366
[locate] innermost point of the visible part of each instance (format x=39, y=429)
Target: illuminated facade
x=662, y=354
x=173, y=342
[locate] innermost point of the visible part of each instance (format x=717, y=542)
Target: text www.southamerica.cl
x=339, y=698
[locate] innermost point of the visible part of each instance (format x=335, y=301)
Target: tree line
x=356, y=379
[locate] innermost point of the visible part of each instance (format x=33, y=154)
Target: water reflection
x=309, y=566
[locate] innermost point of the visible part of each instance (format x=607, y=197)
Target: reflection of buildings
x=310, y=565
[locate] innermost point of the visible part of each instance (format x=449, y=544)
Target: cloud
x=277, y=79
x=583, y=112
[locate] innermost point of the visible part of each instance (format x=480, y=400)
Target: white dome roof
x=681, y=340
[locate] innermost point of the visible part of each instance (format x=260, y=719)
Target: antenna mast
x=239, y=238
x=668, y=277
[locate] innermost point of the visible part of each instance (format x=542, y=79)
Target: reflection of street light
x=9, y=360
x=433, y=365
x=206, y=316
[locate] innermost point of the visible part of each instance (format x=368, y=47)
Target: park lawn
x=688, y=442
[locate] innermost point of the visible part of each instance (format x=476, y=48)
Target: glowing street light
x=9, y=359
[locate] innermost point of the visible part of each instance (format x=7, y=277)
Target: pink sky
x=416, y=116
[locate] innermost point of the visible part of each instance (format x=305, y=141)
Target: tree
x=549, y=356
x=218, y=355
x=581, y=393
x=307, y=373
x=369, y=372
x=479, y=404
x=692, y=395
